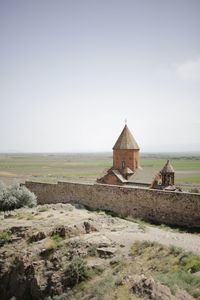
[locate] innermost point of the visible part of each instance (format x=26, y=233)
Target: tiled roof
x=119, y=176
x=126, y=140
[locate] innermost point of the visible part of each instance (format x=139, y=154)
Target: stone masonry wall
x=175, y=208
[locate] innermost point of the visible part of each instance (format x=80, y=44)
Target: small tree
x=15, y=196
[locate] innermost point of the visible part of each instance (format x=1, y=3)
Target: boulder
x=38, y=236
x=20, y=231
x=89, y=227
x=106, y=252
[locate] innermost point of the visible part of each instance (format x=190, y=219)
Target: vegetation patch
x=42, y=208
x=102, y=286
x=191, y=263
x=194, y=190
x=49, y=247
x=189, y=179
x=15, y=196
x=92, y=250
x=5, y=237
x=182, y=280
x=169, y=265
x=76, y=271
x=52, y=167
x=57, y=238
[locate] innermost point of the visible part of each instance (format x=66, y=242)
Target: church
x=126, y=161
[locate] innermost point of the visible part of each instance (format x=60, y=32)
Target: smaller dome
x=167, y=168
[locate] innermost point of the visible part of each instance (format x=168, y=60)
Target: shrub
x=175, y=250
x=138, y=248
x=92, y=250
x=57, y=238
x=76, y=271
x=15, y=196
x=191, y=263
x=5, y=237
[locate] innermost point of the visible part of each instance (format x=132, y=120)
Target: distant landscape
x=51, y=167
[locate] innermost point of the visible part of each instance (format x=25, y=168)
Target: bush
x=175, y=250
x=191, y=263
x=138, y=248
x=15, y=196
x=5, y=237
x=92, y=250
x=76, y=271
x=57, y=238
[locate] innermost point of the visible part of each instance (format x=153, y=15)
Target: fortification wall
x=175, y=208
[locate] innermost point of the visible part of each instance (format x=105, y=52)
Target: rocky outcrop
x=68, y=231
x=20, y=281
x=36, y=253
x=36, y=266
x=150, y=289
x=37, y=236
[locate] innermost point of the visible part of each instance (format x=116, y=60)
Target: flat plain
x=51, y=167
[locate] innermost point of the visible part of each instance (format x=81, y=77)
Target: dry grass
x=53, y=167
x=170, y=265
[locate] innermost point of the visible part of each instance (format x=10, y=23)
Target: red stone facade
x=125, y=159
x=128, y=158
x=110, y=178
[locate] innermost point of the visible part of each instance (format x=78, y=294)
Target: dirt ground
x=38, y=245
x=118, y=230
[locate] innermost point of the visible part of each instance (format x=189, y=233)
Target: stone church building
x=126, y=158
x=126, y=161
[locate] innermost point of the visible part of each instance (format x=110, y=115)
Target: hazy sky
x=71, y=71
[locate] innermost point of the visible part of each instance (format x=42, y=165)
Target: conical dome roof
x=167, y=168
x=126, y=141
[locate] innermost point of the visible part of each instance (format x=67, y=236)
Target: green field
x=53, y=167
x=187, y=169
x=50, y=167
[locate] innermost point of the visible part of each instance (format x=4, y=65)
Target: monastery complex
x=126, y=162
x=119, y=192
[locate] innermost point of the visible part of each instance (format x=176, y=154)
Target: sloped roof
x=167, y=168
x=119, y=176
x=127, y=171
x=126, y=140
